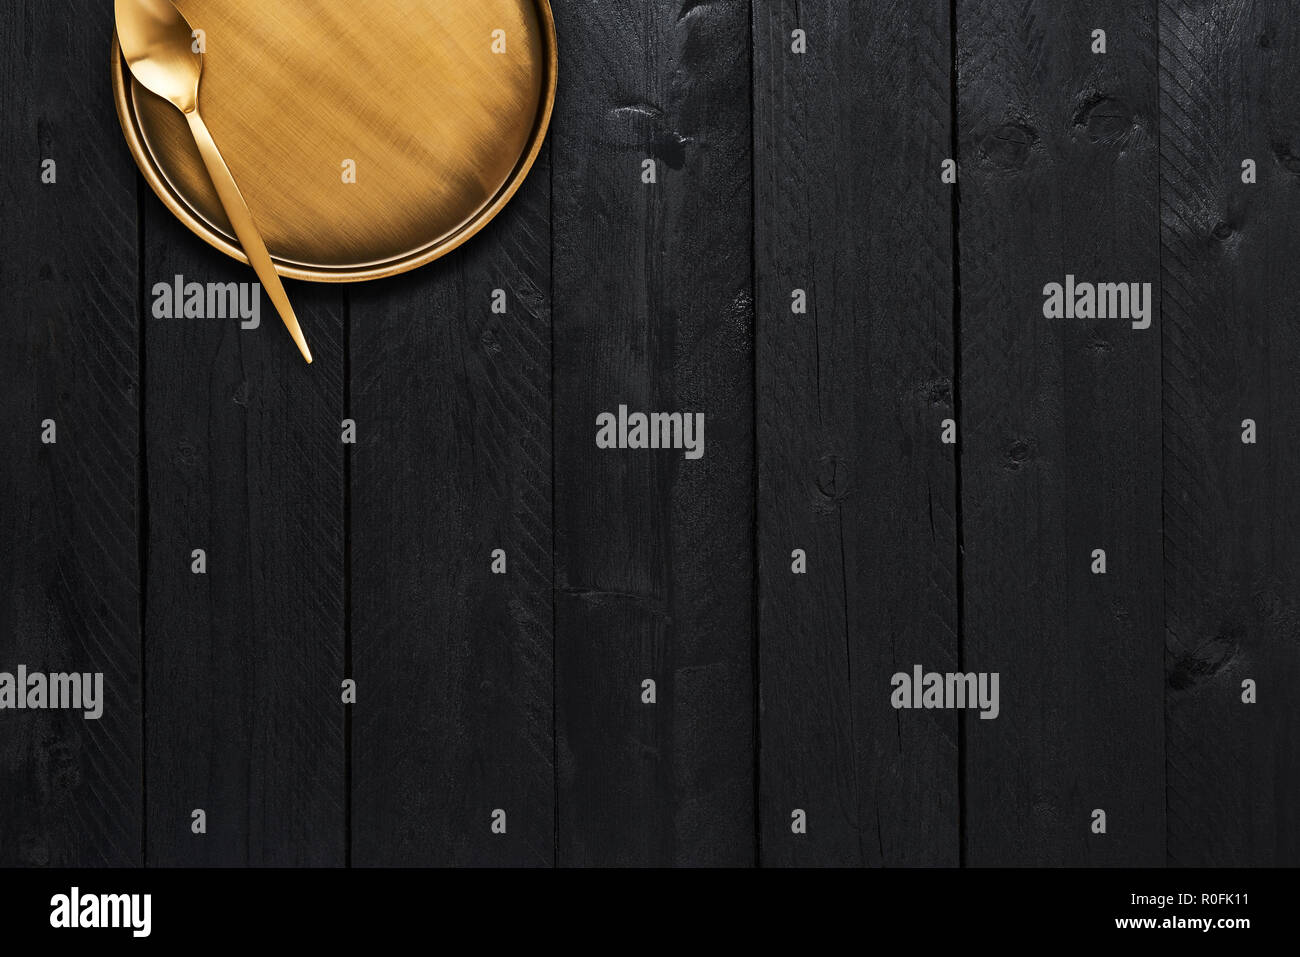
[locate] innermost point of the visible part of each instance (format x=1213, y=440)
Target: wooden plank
x=70, y=791
x=1229, y=73
x=243, y=663
x=453, y=461
x=653, y=310
x=850, y=137
x=1060, y=433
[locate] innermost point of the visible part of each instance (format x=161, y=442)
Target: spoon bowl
x=158, y=44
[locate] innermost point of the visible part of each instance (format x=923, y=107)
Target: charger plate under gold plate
x=442, y=128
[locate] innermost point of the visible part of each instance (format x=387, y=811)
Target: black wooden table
x=906, y=464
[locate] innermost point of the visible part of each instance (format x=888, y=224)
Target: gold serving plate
x=440, y=126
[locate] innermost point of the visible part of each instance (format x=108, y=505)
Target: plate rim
x=150, y=168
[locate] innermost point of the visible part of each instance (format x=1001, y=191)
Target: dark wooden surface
x=653, y=309
x=1231, y=352
x=243, y=663
x=522, y=692
x=453, y=460
x=851, y=396
x=1060, y=433
x=70, y=789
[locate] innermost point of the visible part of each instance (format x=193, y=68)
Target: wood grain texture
x=849, y=138
x=243, y=665
x=70, y=789
x=653, y=309
x=1060, y=433
x=453, y=460
x=476, y=430
x=1229, y=74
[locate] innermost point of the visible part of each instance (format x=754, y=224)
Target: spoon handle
x=242, y=221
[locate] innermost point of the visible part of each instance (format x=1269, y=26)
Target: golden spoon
x=157, y=42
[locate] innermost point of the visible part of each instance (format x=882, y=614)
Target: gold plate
x=441, y=127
